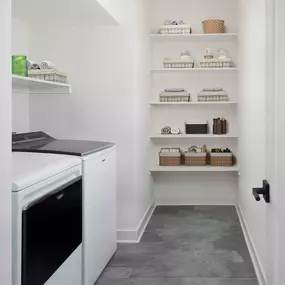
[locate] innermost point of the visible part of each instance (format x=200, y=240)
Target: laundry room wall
x=20, y=98
x=252, y=121
x=5, y=143
x=104, y=65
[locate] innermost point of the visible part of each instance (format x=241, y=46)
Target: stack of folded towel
x=43, y=65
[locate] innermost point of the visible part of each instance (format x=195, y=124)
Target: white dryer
x=47, y=219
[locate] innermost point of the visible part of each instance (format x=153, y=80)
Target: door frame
x=275, y=139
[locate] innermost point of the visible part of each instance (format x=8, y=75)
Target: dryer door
x=51, y=231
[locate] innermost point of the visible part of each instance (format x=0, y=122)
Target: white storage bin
x=178, y=63
x=48, y=75
x=175, y=29
x=204, y=96
x=174, y=97
x=216, y=63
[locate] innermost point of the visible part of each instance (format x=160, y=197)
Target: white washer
x=47, y=219
x=99, y=193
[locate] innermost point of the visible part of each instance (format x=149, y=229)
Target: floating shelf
x=193, y=36
x=185, y=136
x=165, y=70
x=194, y=169
x=36, y=86
x=193, y=103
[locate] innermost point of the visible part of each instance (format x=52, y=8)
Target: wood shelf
x=35, y=86
x=185, y=136
x=194, y=169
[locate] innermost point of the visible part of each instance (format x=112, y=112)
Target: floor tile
x=192, y=245
x=116, y=272
x=117, y=282
x=200, y=281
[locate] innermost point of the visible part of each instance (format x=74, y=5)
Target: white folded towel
x=29, y=64
x=174, y=90
x=175, y=131
x=32, y=65
x=47, y=65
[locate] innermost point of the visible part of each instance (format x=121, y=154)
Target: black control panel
x=30, y=137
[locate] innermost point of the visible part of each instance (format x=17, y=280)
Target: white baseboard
x=260, y=272
x=134, y=235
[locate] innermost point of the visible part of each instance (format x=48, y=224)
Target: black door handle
x=265, y=191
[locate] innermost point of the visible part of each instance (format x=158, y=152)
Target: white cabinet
x=99, y=213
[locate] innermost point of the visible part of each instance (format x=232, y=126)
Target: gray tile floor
x=182, y=245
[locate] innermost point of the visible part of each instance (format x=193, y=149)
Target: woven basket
x=214, y=26
x=221, y=159
x=195, y=159
x=178, y=63
x=169, y=158
x=216, y=63
x=48, y=75
x=174, y=97
x=175, y=29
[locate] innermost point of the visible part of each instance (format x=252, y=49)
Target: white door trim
x=275, y=57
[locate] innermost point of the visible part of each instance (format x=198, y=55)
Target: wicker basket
x=178, y=63
x=217, y=96
x=174, y=97
x=175, y=29
x=214, y=26
x=195, y=159
x=221, y=159
x=48, y=75
x=216, y=63
x=169, y=158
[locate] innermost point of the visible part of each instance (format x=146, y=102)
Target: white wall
x=5, y=144
x=143, y=180
x=104, y=66
x=252, y=120
x=20, y=98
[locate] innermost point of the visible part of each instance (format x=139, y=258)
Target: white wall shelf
x=35, y=86
x=170, y=70
x=193, y=169
x=177, y=37
x=193, y=103
x=185, y=136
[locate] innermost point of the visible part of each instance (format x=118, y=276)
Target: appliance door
x=51, y=231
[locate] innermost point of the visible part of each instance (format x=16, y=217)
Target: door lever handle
x=265, y=191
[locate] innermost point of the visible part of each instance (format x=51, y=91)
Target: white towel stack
x=43, y=65
x=47, y=65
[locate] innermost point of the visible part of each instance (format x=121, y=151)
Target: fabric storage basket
x=216, y=63
x=169, y=158
x=48, y=75
x=178, y=63
x=195, y=159
x=196, y=127
x=221, y=159
x=213, y=96
x=212, y=26
x=174, y=97
x=175, y=29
